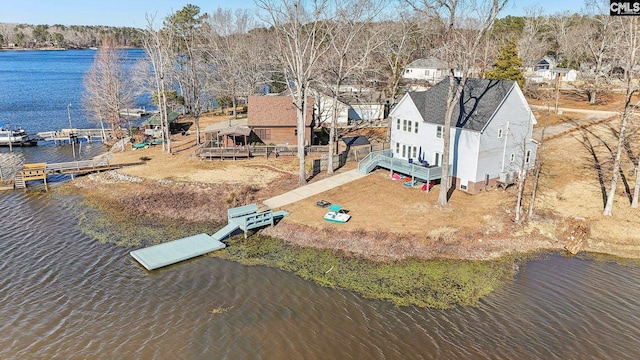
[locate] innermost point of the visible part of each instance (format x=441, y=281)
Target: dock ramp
x=241, y=218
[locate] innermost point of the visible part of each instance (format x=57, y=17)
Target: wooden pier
x=69, y=135
x=40, y=171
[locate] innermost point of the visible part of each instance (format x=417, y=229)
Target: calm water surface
x=63, y=295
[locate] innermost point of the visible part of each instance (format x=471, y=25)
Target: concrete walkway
x=315, y=188
x=591, y=117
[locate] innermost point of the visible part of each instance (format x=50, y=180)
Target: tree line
x=71, y=37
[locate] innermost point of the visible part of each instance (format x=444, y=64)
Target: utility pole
x=71, y=140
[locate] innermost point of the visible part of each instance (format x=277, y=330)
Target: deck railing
x=386, y=160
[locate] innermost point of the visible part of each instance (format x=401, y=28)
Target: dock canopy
x=155, y=119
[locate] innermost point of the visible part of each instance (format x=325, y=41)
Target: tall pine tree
x=508, y=65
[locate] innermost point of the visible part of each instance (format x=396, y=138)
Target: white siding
x=405, y=110
x=464, y=154
x=493, y=157
x=366, y=112
x=324, y=110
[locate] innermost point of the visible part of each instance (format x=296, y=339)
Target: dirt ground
x=473, y=226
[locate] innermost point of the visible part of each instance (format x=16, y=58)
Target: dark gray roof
x=355, y=140
x=479, y=101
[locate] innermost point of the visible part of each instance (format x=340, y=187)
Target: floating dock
x=175, y=251
x=241, y=218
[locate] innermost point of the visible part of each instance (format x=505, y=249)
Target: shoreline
x=435, y=274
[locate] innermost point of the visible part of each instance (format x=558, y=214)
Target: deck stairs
x=19, y=183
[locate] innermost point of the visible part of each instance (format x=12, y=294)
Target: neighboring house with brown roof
x=273, y=120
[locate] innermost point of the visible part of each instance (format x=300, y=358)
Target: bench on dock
x=36, y=171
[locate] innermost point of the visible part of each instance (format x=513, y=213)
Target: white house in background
x=546, y=70
x=324, y=107
x=351, y=106
x=490, y=136
x=431, y=70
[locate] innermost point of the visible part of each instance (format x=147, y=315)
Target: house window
x=439, y=132
x=528, y=157
x=404, y=125
x=398, y=123
x=416, y=128
x=263, y=134
x=397, y=148
x=415, y=152
x=512, y=157
x=409, y=125
x=499, y=133
x=404, y=151
x=437, y=158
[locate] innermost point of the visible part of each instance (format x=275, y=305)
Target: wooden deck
x=40, y=171
x=207, y=152
x=385, y=160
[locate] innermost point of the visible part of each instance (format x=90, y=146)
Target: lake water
x=63, y=295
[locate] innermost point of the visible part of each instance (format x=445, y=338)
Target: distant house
x=431, y=70
x=546, y=63
x=546, y=70
x=490, y=138
x=353, y=105
x=273, y=120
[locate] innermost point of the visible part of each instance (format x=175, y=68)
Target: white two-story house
x=491, y=132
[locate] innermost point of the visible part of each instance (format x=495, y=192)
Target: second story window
x=439, y=132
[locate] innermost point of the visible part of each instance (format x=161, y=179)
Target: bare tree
x=464, y=24
x=107, y=86
x=301, y=28
x=399, y=38
x=597, y=38
x=186, y=27
x=238, y=53
x=530, y=45
x=157, y=46
x=537, y=169
x=628, y=46
x=350, y=43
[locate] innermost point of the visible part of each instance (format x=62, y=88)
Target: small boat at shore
x=337, y=214
x=19, y=137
